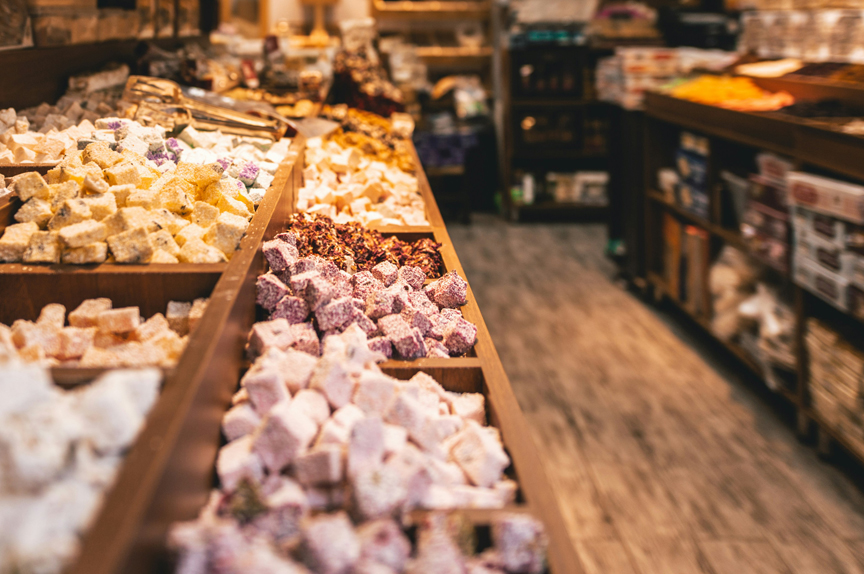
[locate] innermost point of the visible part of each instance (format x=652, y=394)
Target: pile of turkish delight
x=59, y=452
x=335, y=434
x=100, y=336
x=391, y=305
x=344, y=184
x=100, y=201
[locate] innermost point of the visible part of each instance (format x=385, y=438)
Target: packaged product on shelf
x=836, y=376
x=354, y=248
x=100, y=336
x=821, y=281
x=15, y=27
x=62, y=450
x=305, y=446
x=346, y=184
x=773, y=166
x=691, y=159
x=839, y=233
x=829, y=196
x=402, y=315
x=732, y=280
x=694, y=260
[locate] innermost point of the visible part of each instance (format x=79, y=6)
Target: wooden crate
x=169, y=472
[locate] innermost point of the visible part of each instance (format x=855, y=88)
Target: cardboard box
x=829, y=196
x=823, y=283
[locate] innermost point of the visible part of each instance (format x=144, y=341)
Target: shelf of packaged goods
x=432, y=10
x=797, y=138
x=732, y=347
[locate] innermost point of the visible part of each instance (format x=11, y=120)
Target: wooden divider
x=169, y=471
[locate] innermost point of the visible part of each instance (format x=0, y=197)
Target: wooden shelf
x=432, y=10
x=449, y=170
x=556, y=102
x=454, y=55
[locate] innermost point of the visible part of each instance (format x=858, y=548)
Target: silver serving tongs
x=163, y=101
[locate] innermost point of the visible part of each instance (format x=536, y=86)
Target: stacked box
x=836, y=374
x=691, y=159
x=828, y=196
x=765, y=221
x=625, y=77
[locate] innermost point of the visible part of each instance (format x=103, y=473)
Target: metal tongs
x=164, y=102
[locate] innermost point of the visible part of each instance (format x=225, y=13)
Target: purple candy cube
x=335, y=314
x=305, y=339
x=435, y=349
x=292, y=309
x=450, y=291
x=407, y=340
x=381, y=345
x=269, y=289
x=318, y=292
x=460, y=336
x=280, y=255
x=413, y=276
x=365, y=283
x=386, y=273
x=379, y=304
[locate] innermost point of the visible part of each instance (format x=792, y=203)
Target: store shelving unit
x=575, y=105
x=734, y=135
x=168, y=473
x=432, y=9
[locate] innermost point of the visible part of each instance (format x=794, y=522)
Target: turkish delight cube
x=132, y=246
x=364, y=283
x=91, y=253
x=386, y=272
x=234, y=206
x=335, y=314
x=318, y=292
x=60, y=192
x=163, y=241
x=226, y=233
x=84, y=233
x=450, y=291
x=333, y=381
x=380, y=303
x=374, y=392
x=415, y=318
x=269, y=334
x=520, y=543
x=52, y=315
x=71, y=211
x=44, y=247
x=121, y=193
x=177, y=196
x=310, y=402
x=15, y=240
x=478, y=452
x=101, y=206
x=87, y=313
x=383, y=542
x=93, y=184
x=74, y=342
x=189, y=233
x=330, y=545
x=407, y=340
x=36, y=211
x=240, y=420
x=306, y=339
x=146, y=198
x=102, y=154
x=321, y=465
x=123, y=320
x=300, y=280
x=470, y=406
x=292, y=309
x=460, y=336
x=412, y=276
x=365, y=445
x=381, y=345
x=237, y=462
x=204, y=214
x=126, y=218
x=266, y=388
x=177, y=316
x=435, y=349
x=31, y=184
x=269, y=291
x=377, y=492
x=283, y=435
x=196, y=251
x=123, y=173
x=151, y=327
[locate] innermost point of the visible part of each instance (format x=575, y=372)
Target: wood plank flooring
x=664, y=460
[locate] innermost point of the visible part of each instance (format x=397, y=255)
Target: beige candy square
x=44, y=247
x=163, y=219
x=52, y=315
x=121, y=192
x=27, y=334
x=60, y=192
x=152, y=327
x=196, y=251
x=189, y=233
x=226, y=233
x=126, y=218
x=95, y=184
x=101, y=206
x=31, y=184
x=90, y=253
x=85, y=314
x=199, y=175
x=84, y=233
x=74, y=342
x=177, y=315
x=32, y=354
x=73, y=158
x=171, y=345
x=37, y=211
x=133, y=157
x=15, y=240
x=160, y=256
x=122, y=174
x=54, y=175
x=233, y=206
x=222, y=188
x=198, y=307
x=204, y=214
x=162, y=240
x=70, y=212
x=123, y=320
x=178, y=195
x=101, y=154
x=144, y=198
x=132, y=246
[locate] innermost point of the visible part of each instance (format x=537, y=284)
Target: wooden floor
x=663, y=459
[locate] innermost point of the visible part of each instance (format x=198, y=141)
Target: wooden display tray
x=169, y=471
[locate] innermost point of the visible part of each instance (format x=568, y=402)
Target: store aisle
x=661, y=463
